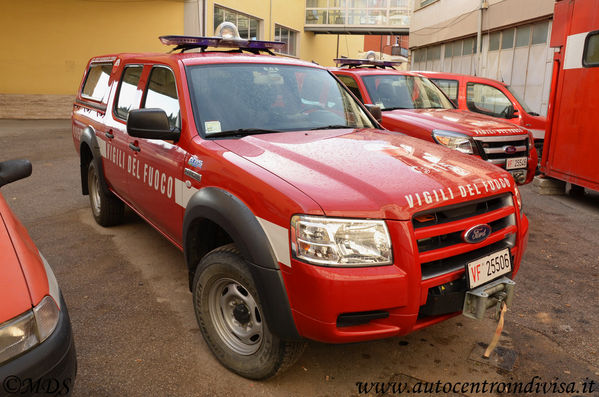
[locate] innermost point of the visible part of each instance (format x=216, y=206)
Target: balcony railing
x=358, y=16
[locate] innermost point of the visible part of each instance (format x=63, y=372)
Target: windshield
x=520, y=101
x=242, y=99
x=391, y=91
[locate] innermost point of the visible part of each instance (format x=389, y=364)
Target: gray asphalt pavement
x=136, y=335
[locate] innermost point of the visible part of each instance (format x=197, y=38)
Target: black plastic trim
x=89, y=137
x=238, y=221
x=359, y=318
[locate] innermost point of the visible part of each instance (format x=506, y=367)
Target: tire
x=229, y=313
x=107, y=209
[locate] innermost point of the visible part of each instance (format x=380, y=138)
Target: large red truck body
x=572, y=134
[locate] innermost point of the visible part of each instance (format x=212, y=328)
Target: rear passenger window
x=591, y=50
x=96, y=82
x=162, y=93
x=127, y=97
x=352, y=85
x=449, y=87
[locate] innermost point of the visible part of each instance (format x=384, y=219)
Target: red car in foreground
x=492, y=98
x=37, y=350
x=412, y=104
x=298, y=215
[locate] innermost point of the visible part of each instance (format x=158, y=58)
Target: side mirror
x=375, y=111
x=151, y=124
x=509, y=112
x=13, y=170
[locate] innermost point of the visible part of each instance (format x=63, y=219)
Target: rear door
x=156, y=171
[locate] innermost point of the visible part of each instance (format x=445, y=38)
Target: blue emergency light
x=227, y=36
x=365, y=62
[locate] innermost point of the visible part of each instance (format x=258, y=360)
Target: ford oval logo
x=477, y=233
x=509, y=149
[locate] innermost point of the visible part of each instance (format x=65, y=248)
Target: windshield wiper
x=241, y=132
x=332, y=127
x=395, y=108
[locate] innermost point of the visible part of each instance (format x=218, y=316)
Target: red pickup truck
x=299, y=216
x=413, y=105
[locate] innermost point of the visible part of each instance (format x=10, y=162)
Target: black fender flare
x=239, y=222
x=88, y=137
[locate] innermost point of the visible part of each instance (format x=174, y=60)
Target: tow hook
x=495, y=293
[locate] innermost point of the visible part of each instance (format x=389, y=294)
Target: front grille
x=439, y=233
x=493, y=147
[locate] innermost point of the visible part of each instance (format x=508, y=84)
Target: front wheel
x=230, y=316
x=107, y=209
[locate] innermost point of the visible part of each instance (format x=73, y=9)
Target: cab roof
x=198, y=58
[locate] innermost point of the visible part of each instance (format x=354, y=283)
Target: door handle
x=134, y=147
x=109, y=134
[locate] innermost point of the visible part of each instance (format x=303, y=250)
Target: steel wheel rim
x=94, y=191
x=224, y=296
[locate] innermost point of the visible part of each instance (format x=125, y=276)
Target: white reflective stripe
x=183, y=193
x=52, y=283
x=102, y=145
x=574, y=50
x=538, y=134
x=279, y=240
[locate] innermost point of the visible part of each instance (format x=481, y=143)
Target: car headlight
x=455, y=140
x=29, y=329
x=340, y=242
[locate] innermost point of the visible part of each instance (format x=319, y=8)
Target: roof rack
x=185, y=43
x=357, y=63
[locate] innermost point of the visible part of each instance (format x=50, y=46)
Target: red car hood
x=371, y=173
x=23, y=280
x=469, y=123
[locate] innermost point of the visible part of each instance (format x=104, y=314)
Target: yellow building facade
x=46, y=44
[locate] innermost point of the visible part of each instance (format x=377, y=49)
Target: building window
x=422, y=3
x=358, y=12
x=248, y=26
x=494, y=41
x=507, y=39
x=591, y=50
x=289, y=37
x=539, y=33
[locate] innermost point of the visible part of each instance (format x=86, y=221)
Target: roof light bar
x=365, y=62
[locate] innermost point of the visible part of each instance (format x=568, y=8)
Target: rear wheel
x=230, y=316
x=107, y=208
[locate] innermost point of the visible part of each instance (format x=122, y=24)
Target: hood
x=463, y=121
x=371, y=173
x=23, y=279
x=14, y=293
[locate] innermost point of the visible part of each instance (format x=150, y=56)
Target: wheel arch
x=89, y=150
x=215, y=214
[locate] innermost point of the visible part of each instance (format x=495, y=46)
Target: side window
x=96, y=82
x=591, y=50
x=482, y=98
x=449, y=87
x=352, y=85
x=127, y=98
x=162, y=93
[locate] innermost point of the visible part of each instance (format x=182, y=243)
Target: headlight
x=24, y=332
x=455, y=140
x=518, y=198
x=340, y=242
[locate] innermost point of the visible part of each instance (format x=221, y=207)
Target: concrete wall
x=448, y=19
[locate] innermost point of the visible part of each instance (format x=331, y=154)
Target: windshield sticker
x=462, y=191
x=498, y=131
x=212, y=127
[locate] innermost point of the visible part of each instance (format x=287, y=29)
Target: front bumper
x=343, y=305
x=48, y=369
